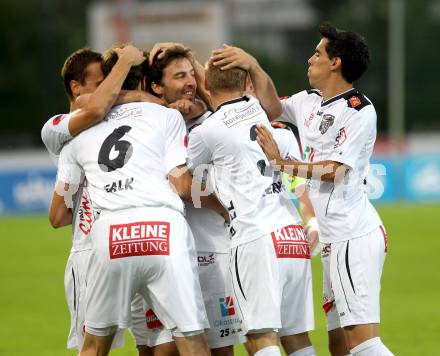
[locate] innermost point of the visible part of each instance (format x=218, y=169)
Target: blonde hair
x=218, y=80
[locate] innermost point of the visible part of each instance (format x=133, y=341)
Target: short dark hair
x=159, y=65
x=351, y=47
x=219, y=80
x=74, y=67
x=136, y=74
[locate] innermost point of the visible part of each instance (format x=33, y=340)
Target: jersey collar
x=345, y=95
x=233, y=101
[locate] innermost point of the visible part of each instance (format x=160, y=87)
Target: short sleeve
x=69, y=171
x=175, y=141
x=55, y=133
x=358, y=128
x=291, y=107
x=198, y=151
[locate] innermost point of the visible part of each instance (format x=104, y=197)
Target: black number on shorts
x=224, y=332
x=125, y=149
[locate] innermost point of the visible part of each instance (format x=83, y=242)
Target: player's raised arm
x=327, y=170
x=230, y=57
x=105, y=96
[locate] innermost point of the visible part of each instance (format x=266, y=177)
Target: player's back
x=126, y=158
x=244, y=181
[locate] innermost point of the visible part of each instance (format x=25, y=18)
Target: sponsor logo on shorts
x=152, y=321
x=327, y=305
x=206, y=260
x=139, y=239
x=291, y=242
x=226, y=306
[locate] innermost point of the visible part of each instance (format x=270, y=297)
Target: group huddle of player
x=177, y=188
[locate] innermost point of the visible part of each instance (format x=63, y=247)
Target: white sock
x=269, y=351
x=306, y=351
x=371, y=347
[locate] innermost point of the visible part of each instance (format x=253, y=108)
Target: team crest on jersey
x=341, y=137
x=326, y=122
x=291, y=242
x=139, y=239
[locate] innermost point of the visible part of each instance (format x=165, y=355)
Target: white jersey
x=208, y=227
x=341, y=129
x=287, y=144
x=55, y=134
x=244, y=181
x=126, y=158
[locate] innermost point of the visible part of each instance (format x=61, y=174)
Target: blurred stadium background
x=37, y=35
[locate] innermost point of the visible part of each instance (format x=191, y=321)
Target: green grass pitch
x=34, y=317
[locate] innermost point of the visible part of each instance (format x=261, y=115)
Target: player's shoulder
x=356, y=100
x=304, y=95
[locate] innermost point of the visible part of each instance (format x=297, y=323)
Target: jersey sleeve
x=354, y=132
x=55, y=133
x=291, y=108
x=175, y=150
x=69, y=171
x=198, y=151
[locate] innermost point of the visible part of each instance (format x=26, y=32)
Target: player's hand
x=160, y=48
x=312, y=232
x=232, y=57
x=187, y=108
x=268, y=144
x=133, y=55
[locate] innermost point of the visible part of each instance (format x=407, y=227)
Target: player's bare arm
x=181, y=181
x=328, y=171
x=60, y=211
x=230, y=57
x=105, y=96
x=124, y=97
x=189, y=109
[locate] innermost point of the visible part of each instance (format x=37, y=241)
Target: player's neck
x=335, y=88
x=220, y=98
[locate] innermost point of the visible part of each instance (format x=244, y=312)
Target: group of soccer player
x=175, y=183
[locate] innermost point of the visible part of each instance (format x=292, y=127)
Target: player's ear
x=157, y=88
x=75, y=88
x=336, y=63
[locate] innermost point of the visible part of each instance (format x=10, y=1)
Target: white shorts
x=224, y=318
x=352, y=272
x=75, y=289
x=149, y=251
x=296, y=287
x=146, y=328
x=255, y=282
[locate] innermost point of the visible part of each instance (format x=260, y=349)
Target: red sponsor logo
x=139, y=239
x=185, y=141
x=291, y=242
x=328, y=305
x=152, y=321
x=57, y=120
x=385, y=237
x=354, y=101
x=85, y=215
